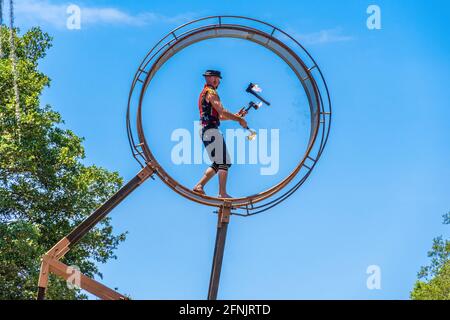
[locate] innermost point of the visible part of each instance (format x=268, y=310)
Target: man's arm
x=224, y=113
x=224, y=117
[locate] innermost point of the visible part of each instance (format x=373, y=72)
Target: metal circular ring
x=264, y=34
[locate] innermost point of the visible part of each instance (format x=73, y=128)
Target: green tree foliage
x=434, y=280
x=45, y=189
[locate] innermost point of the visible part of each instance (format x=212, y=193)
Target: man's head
x=212, y=77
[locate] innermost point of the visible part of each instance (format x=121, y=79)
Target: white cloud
x=40, y=12
x=44, y=12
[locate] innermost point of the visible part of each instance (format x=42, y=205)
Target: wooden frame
x=50, y=261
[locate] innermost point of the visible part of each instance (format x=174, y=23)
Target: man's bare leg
x=209, y=173
x=223, y=174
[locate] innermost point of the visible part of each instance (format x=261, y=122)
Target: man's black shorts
x=215, y=146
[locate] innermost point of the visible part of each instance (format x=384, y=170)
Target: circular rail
x=268, y=36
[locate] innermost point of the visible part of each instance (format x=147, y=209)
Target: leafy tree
x=435, y=278
x=45, y=189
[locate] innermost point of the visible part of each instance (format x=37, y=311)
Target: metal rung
x=138, y=152
x=271, y=34
x=273, y=31
x=314, y=66
x=306, y=166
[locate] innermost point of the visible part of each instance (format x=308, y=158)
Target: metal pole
x=75, y=235
x=222, y=226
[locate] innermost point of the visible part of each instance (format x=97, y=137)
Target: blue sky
x=375, y=198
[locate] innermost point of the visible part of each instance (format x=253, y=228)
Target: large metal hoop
x=264, y=34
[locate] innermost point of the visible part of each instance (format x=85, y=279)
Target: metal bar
x=273, y=31
x=110, y=204
x=241, y=214
x=221, y=235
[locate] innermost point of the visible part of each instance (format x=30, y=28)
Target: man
x=211, y=112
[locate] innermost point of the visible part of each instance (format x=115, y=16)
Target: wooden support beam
x=86, y=283
x=63, y=246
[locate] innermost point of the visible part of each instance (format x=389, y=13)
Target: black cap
x=213, y=73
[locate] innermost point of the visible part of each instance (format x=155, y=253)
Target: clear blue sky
x=375, y=198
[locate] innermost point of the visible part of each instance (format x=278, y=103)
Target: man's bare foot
x=199, y=189
x=225, y=196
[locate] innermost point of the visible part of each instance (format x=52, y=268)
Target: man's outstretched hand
x=241, y=113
